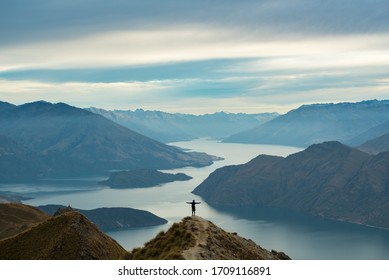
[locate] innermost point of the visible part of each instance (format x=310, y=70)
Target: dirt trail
x=198, y=227
x=214, y=243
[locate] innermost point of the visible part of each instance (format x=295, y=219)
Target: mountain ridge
x=61, y=140
x=376, y=145
x=316, y=123
x=328, y=179
x=195, y=238
x=70, y=235
x=170, y=127
x=16, y=218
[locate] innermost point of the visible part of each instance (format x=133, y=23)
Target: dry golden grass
x=195, y=238
x=165, y=246
x=16, y=218
x=70, y=236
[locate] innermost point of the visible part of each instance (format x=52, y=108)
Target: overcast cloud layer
x=194, y=56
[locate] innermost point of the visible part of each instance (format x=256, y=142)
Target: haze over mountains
x=376, y=145
x=40, y=140
x=167, y=127
x=349, y=123
x=329, y=179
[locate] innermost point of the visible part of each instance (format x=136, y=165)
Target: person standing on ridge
x=193, y=203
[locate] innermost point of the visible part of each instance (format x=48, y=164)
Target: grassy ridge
x=16, y=218
x=166, y=246
x=67, y=236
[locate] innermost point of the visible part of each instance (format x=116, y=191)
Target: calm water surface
x=299, y=235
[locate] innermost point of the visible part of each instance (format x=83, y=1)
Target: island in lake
x=112, y=218
x=142, y=178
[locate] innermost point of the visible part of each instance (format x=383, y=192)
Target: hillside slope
x=376, y=145
x=316, y=123
x=58, y=140
x=195, y=238
x=69, y=236
x=16, y=218
x=328, y=179
x=369, y=134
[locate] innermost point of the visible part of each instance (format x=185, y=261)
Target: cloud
x=193, y=55
x=27, y=21
x=233, y=94
x=192, y=43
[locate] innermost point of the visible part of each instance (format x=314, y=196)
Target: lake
x=299, y=235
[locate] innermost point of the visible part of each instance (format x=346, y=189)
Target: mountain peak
x=62, y=140
x=316, y=123
x=329, y=146
x=44, y=108
x=195, y=238
x=329, y=180
x=361, y=104
x=6, y=106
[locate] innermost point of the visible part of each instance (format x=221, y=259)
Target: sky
x=195, y=57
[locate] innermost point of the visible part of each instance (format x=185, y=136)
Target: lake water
x=301, y=236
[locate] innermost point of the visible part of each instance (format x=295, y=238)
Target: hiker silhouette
x=193, y=203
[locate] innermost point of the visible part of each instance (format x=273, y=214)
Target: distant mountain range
x=376, y=145
x=370, y=134
x=40, y=139
x=329, y=179
x=350, y=123
x=167, y=127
